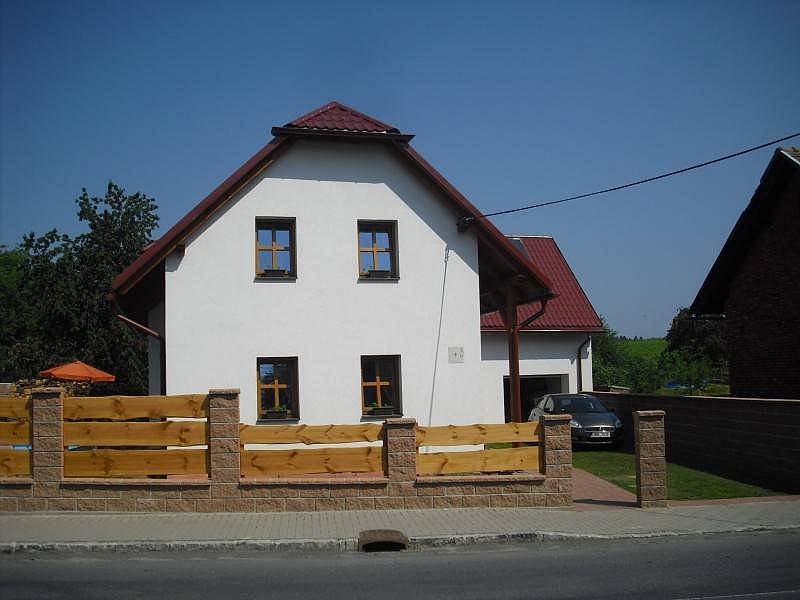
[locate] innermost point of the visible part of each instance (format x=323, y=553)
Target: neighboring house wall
x=540, y=353
x=219, y=318
x=763, y=307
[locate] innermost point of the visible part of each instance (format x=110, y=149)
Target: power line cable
x=467, y=220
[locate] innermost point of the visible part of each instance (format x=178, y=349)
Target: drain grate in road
x=382, y=540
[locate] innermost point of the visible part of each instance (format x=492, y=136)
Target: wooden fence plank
x=309, y=434
x=458, y=435
x=15, y=463
x=133, y=463
x=121, y=408
x=163, y=433
x=305, y=462
x=15, y=432
x=14, y=407
x=481, y=461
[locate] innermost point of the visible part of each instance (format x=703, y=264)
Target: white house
x=337, y=277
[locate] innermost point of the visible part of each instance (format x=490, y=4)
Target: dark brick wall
x=751, y=440
x=763, y=308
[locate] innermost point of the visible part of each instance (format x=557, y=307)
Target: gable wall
x=763, y=307
x=219, y=318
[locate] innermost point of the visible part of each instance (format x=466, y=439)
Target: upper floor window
x=275, y=248
x=277, y=388
x=377, y=249
x=380, y=385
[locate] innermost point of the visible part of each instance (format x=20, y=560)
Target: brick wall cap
x=224, y=391
x=48, y=390
x=555, y=418
x=16, y=481
x=332, y=481
x=401, y=421
x=469, y=479
x=100, y=482
x=649, y=413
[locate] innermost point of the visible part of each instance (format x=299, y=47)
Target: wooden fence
x=270, y=463
x=15, y=430
x=522, y=458
x=126, y=436
x=131, y=436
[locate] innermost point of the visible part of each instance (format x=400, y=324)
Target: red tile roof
x=570, y=310
x=335, y=116
x=329, y=119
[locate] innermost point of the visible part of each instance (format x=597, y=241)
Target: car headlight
x=574, y=424
x=617, y=423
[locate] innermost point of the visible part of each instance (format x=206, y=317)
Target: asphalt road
x=744, y=565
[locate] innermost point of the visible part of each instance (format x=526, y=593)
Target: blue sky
x=514, y=102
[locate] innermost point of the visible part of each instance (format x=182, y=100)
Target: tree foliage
x=695, y=355
x=700, y=339
x=53, y=292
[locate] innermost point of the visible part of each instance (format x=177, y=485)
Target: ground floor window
x=380, y=386
x=277, y=388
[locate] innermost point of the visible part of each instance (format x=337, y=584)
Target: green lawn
x=682, y=483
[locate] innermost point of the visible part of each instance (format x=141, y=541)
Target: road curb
x=347, y=544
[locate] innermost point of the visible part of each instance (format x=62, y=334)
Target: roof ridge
x=302, y=121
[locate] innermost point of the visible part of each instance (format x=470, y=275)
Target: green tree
x=608, y=359
x=56, y=287
x=691, y=369
x=700, y=338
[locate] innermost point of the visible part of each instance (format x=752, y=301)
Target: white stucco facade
x=218, y=318
x=542, y=354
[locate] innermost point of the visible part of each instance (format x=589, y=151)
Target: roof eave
x=713, y=293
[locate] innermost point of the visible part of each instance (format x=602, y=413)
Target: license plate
x=601, y=434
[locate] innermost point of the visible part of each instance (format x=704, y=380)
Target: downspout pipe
x=162, y=346
x=578, y=362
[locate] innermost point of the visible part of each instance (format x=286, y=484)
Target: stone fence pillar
x=47, y=441
x=556, y=458
x=223, y=445
x=400, y=454
x=651, y=462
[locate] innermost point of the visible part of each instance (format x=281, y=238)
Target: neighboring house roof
x=713, y=294
x=508, y=264
x=570, y=310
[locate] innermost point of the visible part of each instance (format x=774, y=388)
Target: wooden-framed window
x=380, y=386
x=277, y=388
x=377, y=249
x=275, y=248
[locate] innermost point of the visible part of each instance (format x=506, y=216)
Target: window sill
x=280, y=421
x=381, y=417
x=378, y=279
x=291, y=278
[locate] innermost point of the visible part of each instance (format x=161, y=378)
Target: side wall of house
x=541, y=354
x=220, y=318
x=763, y=309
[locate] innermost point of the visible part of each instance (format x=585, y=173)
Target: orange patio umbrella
x=77, y=371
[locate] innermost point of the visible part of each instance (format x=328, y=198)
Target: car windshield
x=578, y=404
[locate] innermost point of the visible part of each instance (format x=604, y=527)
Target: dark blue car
x=591, y=422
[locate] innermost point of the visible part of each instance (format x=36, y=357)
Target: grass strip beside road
x=683, y=483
